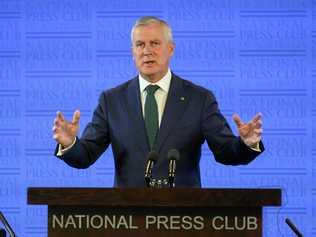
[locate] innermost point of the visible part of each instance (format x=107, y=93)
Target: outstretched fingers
x=256, y=121
x=58, y=124
x=238, y=120
x=257, y=117
x=76, y=117
x=60, y=116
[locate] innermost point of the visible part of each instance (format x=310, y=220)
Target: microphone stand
x=293, y=227
x=152, y=158
x=172, y=169
x=148, y=170
x=7, y=226
x=173, y=156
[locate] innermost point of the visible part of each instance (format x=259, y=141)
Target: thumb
x=76, y=117
x=237, y=120
x=60, y=116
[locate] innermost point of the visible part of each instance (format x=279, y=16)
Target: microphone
x=293, y=227
x=7, y=226
x=173, y=156
x=152, y=158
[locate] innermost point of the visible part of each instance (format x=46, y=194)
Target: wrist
x=68, y=143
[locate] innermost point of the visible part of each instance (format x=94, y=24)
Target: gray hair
x=146, y=20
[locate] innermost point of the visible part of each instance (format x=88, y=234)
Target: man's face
x=151, y=51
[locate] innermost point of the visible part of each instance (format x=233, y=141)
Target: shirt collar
x=163, y=83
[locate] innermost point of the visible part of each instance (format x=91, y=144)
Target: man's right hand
x=65, y=132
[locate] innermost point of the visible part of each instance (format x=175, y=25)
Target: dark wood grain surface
x=147, y=197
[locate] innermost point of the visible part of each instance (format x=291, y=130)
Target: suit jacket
x=190, y=117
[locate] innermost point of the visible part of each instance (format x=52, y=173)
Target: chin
x=149, y=72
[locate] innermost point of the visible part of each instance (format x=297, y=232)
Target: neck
x=154, y=77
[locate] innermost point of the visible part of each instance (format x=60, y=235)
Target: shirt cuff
x=62, y=151
x=255, y=147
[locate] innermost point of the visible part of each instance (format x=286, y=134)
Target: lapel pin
x=182, y=98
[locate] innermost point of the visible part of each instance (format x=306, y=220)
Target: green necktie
x=151, y=114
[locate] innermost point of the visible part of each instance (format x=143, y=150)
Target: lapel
x=134, y=108
x=176, y=103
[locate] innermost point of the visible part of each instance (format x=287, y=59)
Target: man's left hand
x=251, y=132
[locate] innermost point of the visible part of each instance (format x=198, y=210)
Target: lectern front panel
x=101, y=221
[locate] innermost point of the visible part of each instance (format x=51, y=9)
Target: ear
x=132, y=51
x=171, y=47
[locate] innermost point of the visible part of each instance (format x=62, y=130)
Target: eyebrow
x=141, y=41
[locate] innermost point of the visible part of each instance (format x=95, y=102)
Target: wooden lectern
x=140, y=212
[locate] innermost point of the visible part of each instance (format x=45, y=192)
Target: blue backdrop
x=255, y=55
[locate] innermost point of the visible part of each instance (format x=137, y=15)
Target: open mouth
x=149, y=63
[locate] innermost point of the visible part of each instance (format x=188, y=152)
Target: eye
x=155, y=43
x=139, y=44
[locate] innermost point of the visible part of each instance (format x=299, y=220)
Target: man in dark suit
x=157, y=110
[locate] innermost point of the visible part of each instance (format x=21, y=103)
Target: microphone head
x=173, y=154
x=153, y=156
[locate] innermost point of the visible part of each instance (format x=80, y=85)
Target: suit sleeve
x=94, y=141
x=226, y=147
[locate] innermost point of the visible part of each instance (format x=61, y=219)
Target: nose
x=147, y=49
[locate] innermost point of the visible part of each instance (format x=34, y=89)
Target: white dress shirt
x=160, y=95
